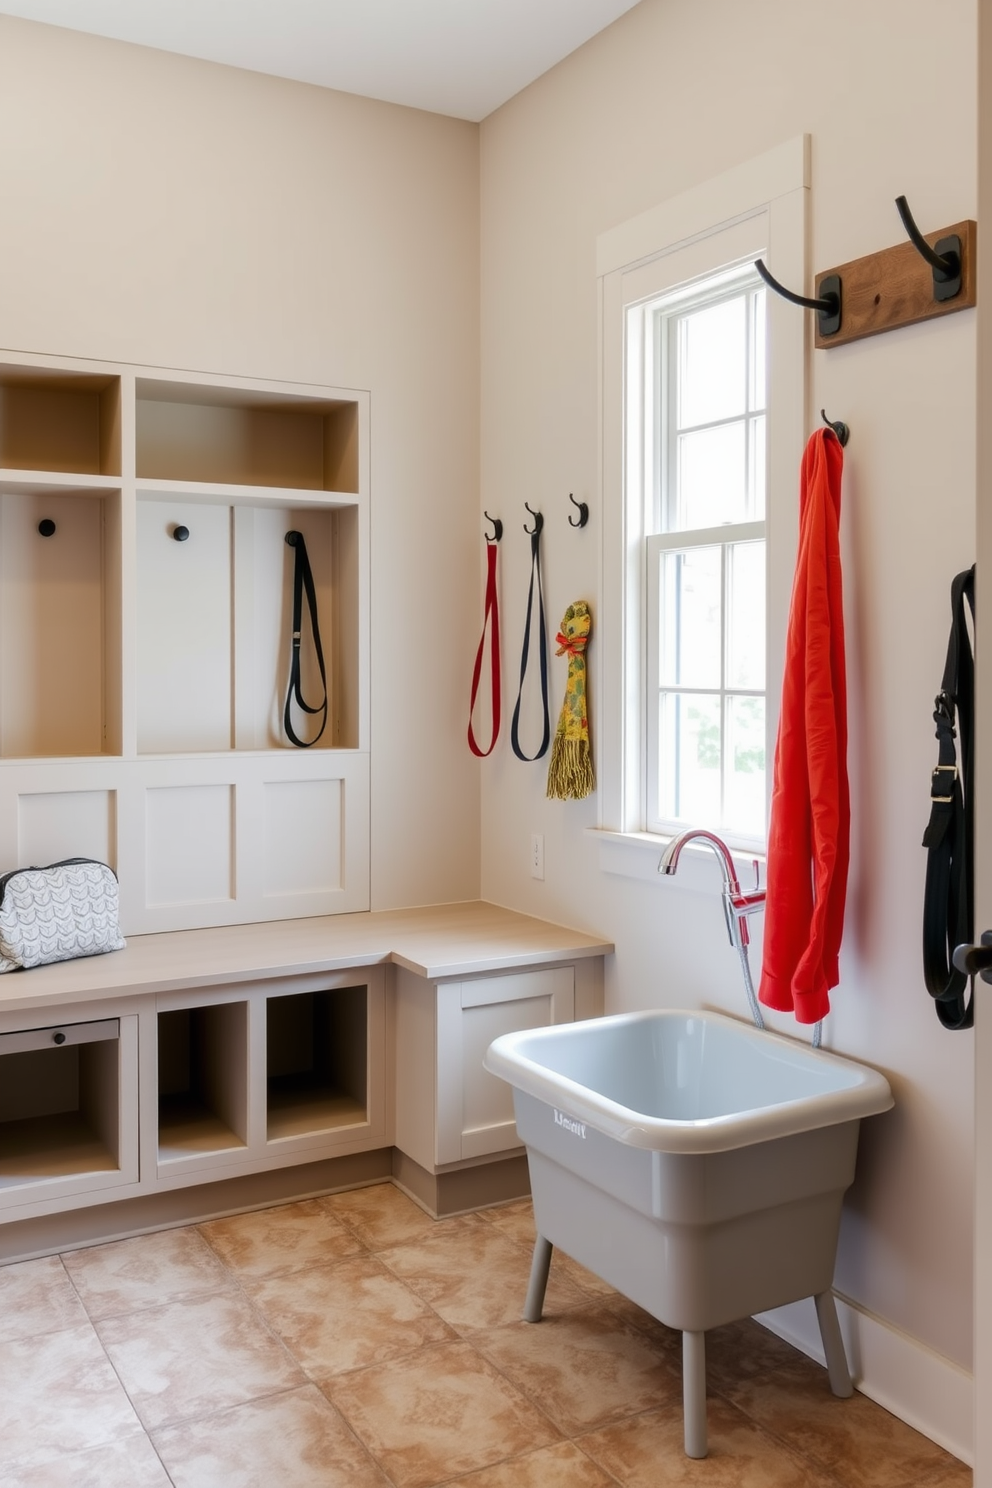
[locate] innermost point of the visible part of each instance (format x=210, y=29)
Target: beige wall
x=176, y=213
x=673, y=94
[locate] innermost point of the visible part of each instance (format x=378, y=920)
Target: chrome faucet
x=736, y=904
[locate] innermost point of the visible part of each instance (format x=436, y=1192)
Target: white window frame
x=761, y=208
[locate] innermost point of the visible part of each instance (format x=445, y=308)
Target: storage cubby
x=59, y=421
x=59, y=1103
x=202, y=1080
x=215, y=624
x=316, y=1061
x=59, y=623
x=230, y=436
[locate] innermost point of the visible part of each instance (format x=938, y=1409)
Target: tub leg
x=539, y=1268
x=833, y=1345
x=694, y=1393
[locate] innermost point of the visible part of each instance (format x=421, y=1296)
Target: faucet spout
x=736, y=905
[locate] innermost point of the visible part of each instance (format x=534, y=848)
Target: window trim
x=774, y=186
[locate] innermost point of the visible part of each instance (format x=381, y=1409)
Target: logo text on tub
x=577, y=1128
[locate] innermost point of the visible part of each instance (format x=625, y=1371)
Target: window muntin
x=704, y=429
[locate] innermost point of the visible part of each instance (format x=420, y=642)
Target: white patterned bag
x=57, y=913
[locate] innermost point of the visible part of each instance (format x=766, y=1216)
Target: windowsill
x=636, y=855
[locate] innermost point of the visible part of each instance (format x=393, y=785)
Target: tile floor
x=352, y=1342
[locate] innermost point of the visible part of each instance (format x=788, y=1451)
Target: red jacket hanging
x=810, y=831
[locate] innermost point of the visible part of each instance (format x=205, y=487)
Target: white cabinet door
x=475, y=1108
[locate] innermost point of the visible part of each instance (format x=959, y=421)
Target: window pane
x=689, y=758
x=712, y=478
x=712, y=366
x=758, y=365
x=746, y=615
x=690, y=618
x=745, y=798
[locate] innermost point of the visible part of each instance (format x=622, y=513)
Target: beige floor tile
x=441, y=1412
x=584, y=1368
x=515, y=1221
x=195, y=1356
x=296, y=1440
x=561, y=1466
x=133, y=1463
x=59, y=1395
x=474, y=1276
x=37, y=1297
x=746, y=1350
x=291, y=1237
x=346, y=1316
x=380, y=1216
x=854, y=1439
x=144, y=1272
x=647, y=1451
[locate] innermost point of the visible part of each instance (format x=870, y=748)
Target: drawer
x=60, y=1035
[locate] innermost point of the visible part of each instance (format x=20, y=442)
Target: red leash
x=491, y=619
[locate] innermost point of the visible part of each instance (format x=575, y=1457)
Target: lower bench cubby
x=202, y=1080
x=316, y=1061
x=67, y=1097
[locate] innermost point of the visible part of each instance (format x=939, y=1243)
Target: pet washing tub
x=695, y=1163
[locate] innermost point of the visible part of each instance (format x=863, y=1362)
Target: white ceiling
x=458, y=57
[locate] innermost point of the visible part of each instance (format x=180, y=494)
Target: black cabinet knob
x=58, y=1038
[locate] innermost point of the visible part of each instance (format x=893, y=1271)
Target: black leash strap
x=542, y=639
x=303, y=583
x=948, y=896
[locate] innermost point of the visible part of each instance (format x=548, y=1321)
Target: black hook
x=583, y=509
x=838, y=426
x=827, y=306
x=538, y=521
x=497, y=528
x=944, y=258
x=180, y=533
x=46, y=527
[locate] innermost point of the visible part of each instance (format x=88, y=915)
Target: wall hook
x=944, y=257
x=497, y=528
x=827, y=305
x=838, y=426
x=583, y=510
x=538, y=521
x=180, y=533
x=46, y=527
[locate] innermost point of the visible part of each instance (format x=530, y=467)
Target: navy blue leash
x=303, y=581
x=535, y=574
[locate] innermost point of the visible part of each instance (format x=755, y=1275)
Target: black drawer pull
x=58, y=1038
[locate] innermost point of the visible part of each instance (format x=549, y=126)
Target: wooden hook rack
x=895, y=287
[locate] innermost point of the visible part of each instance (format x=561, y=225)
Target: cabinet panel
x=475, y=1108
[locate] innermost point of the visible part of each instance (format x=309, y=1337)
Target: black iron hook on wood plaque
x=944, y=257
x=538, y=521
x=583, y=509
x=827, y=305
x=497, y=531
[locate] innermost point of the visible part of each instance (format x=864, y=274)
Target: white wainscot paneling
x=52, y=825
x=190, y=844
x=303, y=837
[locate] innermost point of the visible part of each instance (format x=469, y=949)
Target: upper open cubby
x=59, y=421
x=195, y=432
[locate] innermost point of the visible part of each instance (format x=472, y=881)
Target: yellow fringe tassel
x=570, y=774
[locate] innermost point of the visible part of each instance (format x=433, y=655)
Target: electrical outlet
x=536, y=855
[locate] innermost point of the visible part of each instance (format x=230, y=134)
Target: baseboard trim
x=923, y=1388
x=465, y=1189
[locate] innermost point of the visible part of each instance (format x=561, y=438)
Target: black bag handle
x=303, y=583
x=948, y=908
